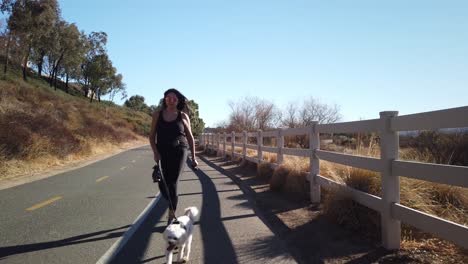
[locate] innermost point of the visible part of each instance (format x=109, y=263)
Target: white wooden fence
x=390, y=167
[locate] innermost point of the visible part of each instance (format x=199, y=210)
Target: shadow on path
x=314, y=240
x=85, y=238
x=134, y=249
x=217, y=245
x=269, y=247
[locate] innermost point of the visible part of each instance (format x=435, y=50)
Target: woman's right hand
x=157, y=157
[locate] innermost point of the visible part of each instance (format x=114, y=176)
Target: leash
x=157, y=167
x=163, y=179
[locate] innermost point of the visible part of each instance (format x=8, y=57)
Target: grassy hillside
x=40, y=127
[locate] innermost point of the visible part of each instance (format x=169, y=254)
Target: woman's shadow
x=217, y=245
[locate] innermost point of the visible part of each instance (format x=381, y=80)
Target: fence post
x=389, y=145
x=213, y=141
x=219, y=145
x=260, y=145
x=314, y=145
x=244, y=143
x=233, y=140
x=218, y=136
x=224, y=144
x=280, y=143
x=210, y=140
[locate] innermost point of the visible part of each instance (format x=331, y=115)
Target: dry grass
x=200, y=148
x=40, y=128
x=340, y=208
x=333, y=171
x=279, y=177
x=252, y=153
x=14, y=168
x=445, y=201
x=270, y=157
x=267, y=156
x=290, y=177
x=297, y=185
x=265, y=170
x=298, y=163
x=448, y=202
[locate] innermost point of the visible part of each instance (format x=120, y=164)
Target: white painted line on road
x=123, y=168
x=120, y=243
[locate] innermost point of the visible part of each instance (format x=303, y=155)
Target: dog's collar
x=179, y=223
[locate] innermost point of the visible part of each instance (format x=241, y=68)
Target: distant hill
x=37, y=121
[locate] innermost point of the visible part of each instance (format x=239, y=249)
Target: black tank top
x=171, y=134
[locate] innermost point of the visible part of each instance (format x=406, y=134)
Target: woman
x=171, y=130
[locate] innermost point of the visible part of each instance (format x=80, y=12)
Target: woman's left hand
x=194, y=163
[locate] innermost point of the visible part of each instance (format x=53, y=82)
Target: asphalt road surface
x=86, y=216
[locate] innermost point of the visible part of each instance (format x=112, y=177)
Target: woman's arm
x=152, y=136
x=189, y=135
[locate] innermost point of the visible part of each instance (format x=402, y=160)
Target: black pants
x=172, y=165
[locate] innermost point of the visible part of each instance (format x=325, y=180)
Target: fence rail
x=389, y=166
x=351, y=127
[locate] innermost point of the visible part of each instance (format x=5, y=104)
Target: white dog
x=179, y=234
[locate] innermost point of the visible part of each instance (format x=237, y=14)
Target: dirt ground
x=309, y=236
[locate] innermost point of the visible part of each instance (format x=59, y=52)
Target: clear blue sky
x=365, y=56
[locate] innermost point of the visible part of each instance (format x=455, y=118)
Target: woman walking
x=170, y=136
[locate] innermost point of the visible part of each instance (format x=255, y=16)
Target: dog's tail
x=192, y=213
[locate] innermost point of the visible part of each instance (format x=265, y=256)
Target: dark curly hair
x=182, y=105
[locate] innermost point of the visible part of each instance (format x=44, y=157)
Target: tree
x=196, y=122
x=290, y=116
x=69, y=52
x=242, y=115
x=75, y=64
x=265, y=114
x=74, y=54
x=301, y=115
x=53, y=46
x=6, y=7
x=314, y=110
x=30, y=21
x=117, y=86
x=100, y=73
x=94, y=45
x=252, y=113
x=136, y=102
